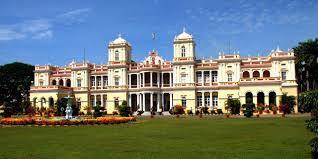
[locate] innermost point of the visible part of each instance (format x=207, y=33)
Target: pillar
x=266, y=99
x=162, y=79
x=138, y=96
x=158, y=79
x=143, y=102
x=143, y=79
x=162, y=101
x=171, y=104
x=210, y=80
x=150, y=79
x=102, y=100
x=211, y=100
x=95, y=98
x=203, y=99
x=202, y=79
x=102, y=82
x=151, y=101
x=158, y=99
x=95, y=83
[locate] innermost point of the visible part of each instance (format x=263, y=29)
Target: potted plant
x=178, y=109
x=260, y=108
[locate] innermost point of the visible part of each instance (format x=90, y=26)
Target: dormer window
x=183, y=50
x=116, y=55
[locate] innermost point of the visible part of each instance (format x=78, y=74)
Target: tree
x=124, y=110
x=287, y=104
x=308, y=100
x=311, y=103
x=15, y=82
x=307, y=64
x=234, y=105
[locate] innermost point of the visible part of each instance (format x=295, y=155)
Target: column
x=171, y=100
x=138, y=96
x=95, y=100
x=266, y=99
x=162, y=101
x=150, y=79
x=161, y=79
x=202, y=78
x=158, y=99
x=143, y=101
x=151, y=101
x=210, y=78
x=203, y=99
x=102, y=82
x=129, y=99
x=211, y=100
x=95, y=83
x=170, y=80
x=158, y=79
x=129, y=83
x=101, y=100
x=143, y=79
x=138, y=84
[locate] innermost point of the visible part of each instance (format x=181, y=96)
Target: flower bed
x=37, y=121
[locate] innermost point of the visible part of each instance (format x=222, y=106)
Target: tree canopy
x=15, y=81
x=307, y=64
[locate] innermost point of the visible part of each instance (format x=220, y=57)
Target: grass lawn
x=234, y=138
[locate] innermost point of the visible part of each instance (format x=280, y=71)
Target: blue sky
x=55, y=32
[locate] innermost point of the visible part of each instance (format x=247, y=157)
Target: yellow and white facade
x=156, y=84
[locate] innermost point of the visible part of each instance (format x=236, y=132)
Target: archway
x=43, y=101
x=51, y=102
x=248, y=97
x=54, y=82
x=255, y=74
x=246, y=74
x=68, y=83
x=272, y=98
x=260, y=98
x=266, y=73
x=61, y=82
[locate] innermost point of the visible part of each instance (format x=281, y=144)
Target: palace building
x=156, y=84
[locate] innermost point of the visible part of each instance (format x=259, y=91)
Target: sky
x=56, y=32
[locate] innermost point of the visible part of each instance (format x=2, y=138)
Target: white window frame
x=284, y=75
x=116, y=81
x=229, y=77
x=183, y=51
x=79, y=82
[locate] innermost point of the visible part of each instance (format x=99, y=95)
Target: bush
x=178, y=109
x=97, y=112
x=308, y=101
x=205, y=110
x=249, y=109
x=219, y=111
x=123, y=109
x=287, y=104
x=234, y=105
x=189, y=112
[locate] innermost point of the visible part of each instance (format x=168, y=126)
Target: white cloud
x=41, y=28
x=43, y=35
x=8, y=34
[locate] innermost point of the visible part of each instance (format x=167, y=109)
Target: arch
x=54, y=82
x=260, y=98
x=248, y=97
x=255, y=74
x=34, y=101
x=116, y=55
x=61, y=82
x=266, y=73
x=183, y=51
x=272, y=98
x=68, y=83
x=246, y=74
x=51, y=102
x=43, y=101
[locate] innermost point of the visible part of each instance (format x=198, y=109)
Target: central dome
x=119, y=40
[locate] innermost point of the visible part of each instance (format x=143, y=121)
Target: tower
x=119, y=57
x=184, y=70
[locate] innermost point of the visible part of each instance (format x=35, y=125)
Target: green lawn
x=234, y=138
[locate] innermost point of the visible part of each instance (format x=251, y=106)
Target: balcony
x=50, y=87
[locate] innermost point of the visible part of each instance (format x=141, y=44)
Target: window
x=99, y=81
x=206, y=77
x=116, y=81
x=246, y=74
x=229, y=77
x=199, y=77
x=214, y=101
x=199, y=101
x=93, y=82
x=79, y=83
x=183, y=50
x=255, y=74
x=41, y=83
x=116, y=102
x=116, y=55
x=183, y=78
x=207, y=100
x=214, y=76
x=184, y=101
x=283, y=75
x=105, y=80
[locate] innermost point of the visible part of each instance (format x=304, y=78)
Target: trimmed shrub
x=123, y=109
x=178, y=109
x=234, y=105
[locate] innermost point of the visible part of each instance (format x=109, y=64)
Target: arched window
x=34, y=102
x=54, y=82
x=183, y=51
x=272, y=98
x=68, y=83
x=248, y=97
x=246, y=74
x=116, y=55
x=260, y=98
x=61, y=82
x=255, y=74
x=266, y=73
x=51, y=102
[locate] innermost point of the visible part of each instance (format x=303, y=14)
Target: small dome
x=184, y=35
x=119, y=40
